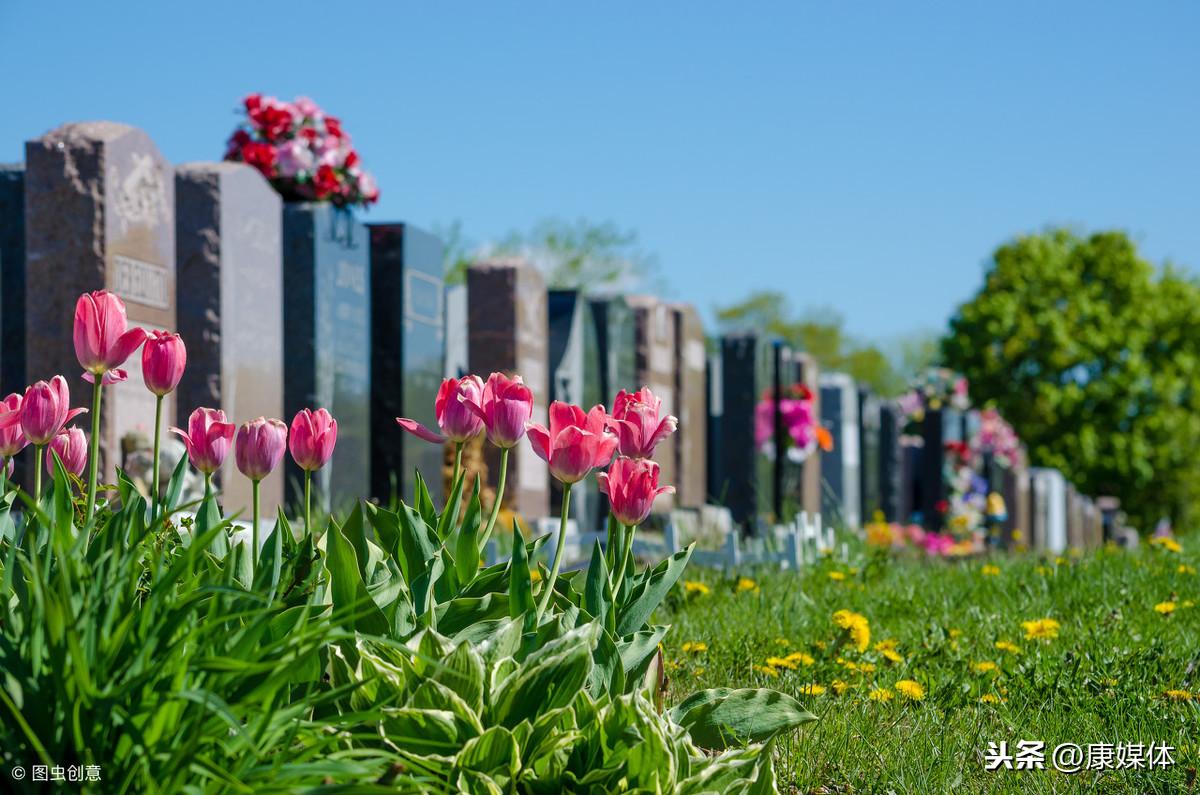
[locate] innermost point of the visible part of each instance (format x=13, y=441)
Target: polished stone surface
x=575, y=377
x=691, y=447
x=654, y=366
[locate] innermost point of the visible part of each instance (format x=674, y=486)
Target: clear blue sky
x=863, y=156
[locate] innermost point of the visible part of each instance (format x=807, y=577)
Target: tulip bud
x=457, y=410
x=636, y=420
x=631, y=485
x=71, y=444
x=207, y=439
x=575, y=443
x=45, y=409
x=12, y=438
x=312, y=438
x=163, y=360
x=259, y=447
x=506, y=405
x=102, y=338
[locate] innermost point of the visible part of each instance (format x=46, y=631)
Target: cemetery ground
x=959, y=655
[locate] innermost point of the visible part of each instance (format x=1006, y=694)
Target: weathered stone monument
x=99, y=213
x=654, y=366
x=691, y=453
x=229, y=299
x=408, y=351
x=12, y=278
x=1049, y=508
x=840, y=466
x=506, y=328
x=327, y=341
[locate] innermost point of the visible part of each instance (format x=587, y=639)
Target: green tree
x=819, y=332
x=1094, y=356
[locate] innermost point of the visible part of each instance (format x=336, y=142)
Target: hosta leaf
x=520, y=585
x=449, y=517
x=460, y=614
x=494, y=753
x=651, y=591
x=422, y=731
x=722, y=718
x=637, y=651
x=549, y=678
x=463, y=673
x=351, y=601
x=434, y=695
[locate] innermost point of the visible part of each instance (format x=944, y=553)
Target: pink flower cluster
x=997, y=437
x=798, y=413
x=302, y=150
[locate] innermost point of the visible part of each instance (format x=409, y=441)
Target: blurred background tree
x=1093, y=354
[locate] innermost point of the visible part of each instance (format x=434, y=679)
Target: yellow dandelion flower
x=812, y=690
x=694, y=647
x=1041, y=629
x=766, y=669
x=746, y=584
x=887, y=643
x=1186, y=569
x=800, y=657
x=1060, y=561
x=910, y=690
x=881, y=694
x=839, y=686
x=856, y=626
x=990, y=698
x=866, y=667
x=1165, y=608
x=837, y=576
x=986, y=666
x=990, y=571
x=1008, y=646
x=697, y=588
x=1108, y=682
x=1045, y=571
x=852, y=570
x=820, y=644
x=893, y=655
x=698, y=673
x=1167, y=543
x=1177, y=695
x=781, y=662
x=672, y=665
x=782, y=642
x=955, y=633
x=1186, y=603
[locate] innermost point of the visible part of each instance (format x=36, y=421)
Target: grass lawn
x=1115, y=670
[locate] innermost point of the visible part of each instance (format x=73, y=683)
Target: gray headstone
x=229, y=295
x=616, y=340
x=575, y=374
x=456, y=332
x=99, y=213
x=654, y=366
x=327, y=339
x=839, y=467
x=506, y=323
x=691, y=402
x=408, y=356
x=808, y=374
x=12, y=278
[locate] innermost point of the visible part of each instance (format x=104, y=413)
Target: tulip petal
x=664, y=429
x=73, y=413
x=187, y=440
x=10, y=418
x=420, y=431
x=125, y=345
x=475, y=408
x=539, y=440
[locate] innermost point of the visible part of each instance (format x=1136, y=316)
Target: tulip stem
x=625, y=557
x=4, y=475
x=457, y=462
x=487, y=532
x=308, y=502
x=558, y=550
x=254, y=529
x=158, y=406
x=38, y=451
x=207, y=485
x=93, y=448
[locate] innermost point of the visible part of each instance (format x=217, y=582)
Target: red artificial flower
x=351, y=159
x=333, y=126
x=942, y=506
x=252, y=102
x=261, y=156
x=326, y=181
x=236, y=141
x=272, y=120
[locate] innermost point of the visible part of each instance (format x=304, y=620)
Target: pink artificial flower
x=207, y=439
x=164, y=358
x=636, y=420
x=71, y=444
x=12, y=437
x=259, y=447
x=631, y=485
x=506, y=405
x=312, y=438
x=294, y=158
x=457, y=410
x=102, y=338
x=575, y=443
x=44, y=410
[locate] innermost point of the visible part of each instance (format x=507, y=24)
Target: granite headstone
x=741, y=476
x=616, y=339
x=869, y=423
x=229, y=298
x=840, y=466
x=575, y=376
x=692, y=406
x=890, y=452
x=654, y=367
x=12, y=278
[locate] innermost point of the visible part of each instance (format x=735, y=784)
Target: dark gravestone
x=408, y=350
x=616, y=341
x=327, y=341
x=229, y=296
x=869, y=487
x=940, y=427
x=742, y=475
x=456, y=332
x=839, y=467
x=912, y=498
x=574, y=370
x=714, y=461
x=890, y=462
x=692, y=407
x=99, y=201
x=506, y=323
x=12, y=278
x=654, y=366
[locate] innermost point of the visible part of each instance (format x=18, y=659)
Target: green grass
x=1102, y=680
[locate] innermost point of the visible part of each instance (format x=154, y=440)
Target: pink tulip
x=12, y=438
x=71, y=444
x=313, y=436
x=456, y=409
x=506, y=406
x=631, y=485
x=102, y=340
x=259, y=447
x=163, y=360
x=635, y=418
x=207, y=439
x=43, y=411
x=575, y=443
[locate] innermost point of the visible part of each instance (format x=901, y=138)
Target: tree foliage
x=1092, y=354
x=819, y=332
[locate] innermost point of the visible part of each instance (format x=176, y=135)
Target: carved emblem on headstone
x=140, y=197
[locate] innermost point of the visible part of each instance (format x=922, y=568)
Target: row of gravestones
x=282, y=306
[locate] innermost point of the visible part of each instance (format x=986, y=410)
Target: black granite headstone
x=408, y=349
x=743, y=479
x=870, y=463
x=327, y=339
x=616, y=342
x=574, y=367
x=890, y=464
x=12, y=278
